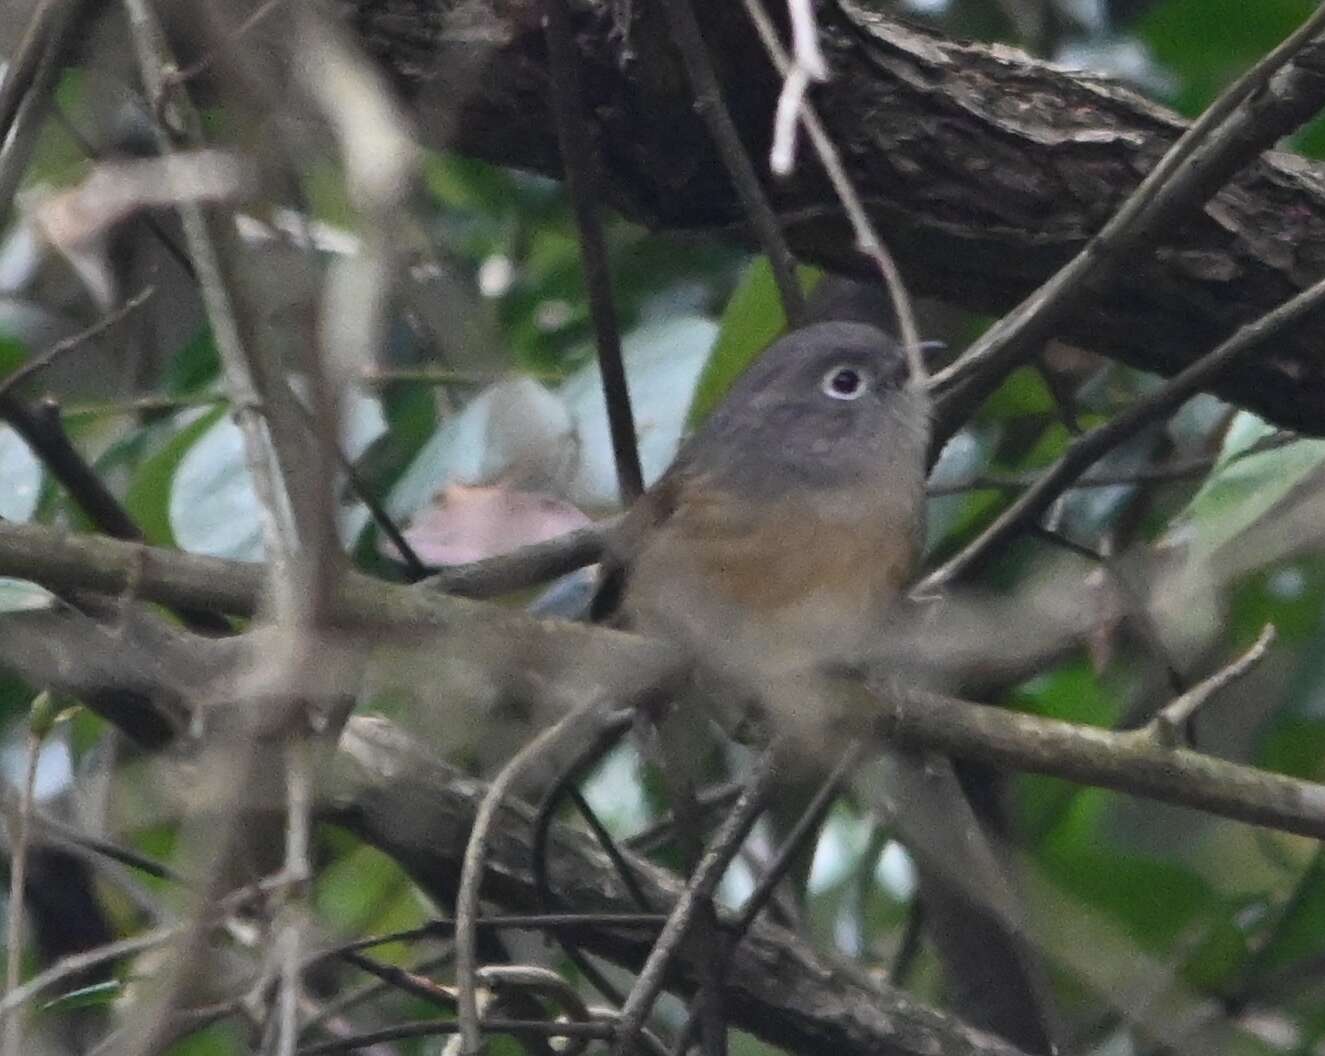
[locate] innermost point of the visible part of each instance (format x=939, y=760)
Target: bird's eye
x=844, y=383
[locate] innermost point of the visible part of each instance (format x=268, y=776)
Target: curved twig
x=547, y=811
x=471, y=872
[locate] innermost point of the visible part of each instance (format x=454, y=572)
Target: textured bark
x=983, y=168
x=420, y=812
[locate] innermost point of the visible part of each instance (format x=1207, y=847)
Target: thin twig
x=1210, y=151
x=415, y=568
x=431, y=1027
x=232, y=38
x=345, y=1001
x=27, y=90
x=143, y=405
x=471, y=873
x=806, y=826
x=609, y=847
x=13, y=1039
x=703, y=883
x=77, y=963
x=526, y=567
x=867, y=239
x=909, y=948
x=60, y=834
x=1168, y=724
x=808, y=64
x=1089, y=448
x=44, y=432
x=707, y=1014
x=564, y=785
x=1158, y=474
x=20, y=144
x=710, y=800
x=380, y=376
x=579, y=163
x=68, y=344
x=43, y=27
x=713, y=110
x=412, y=983
x=506, y=921
x=273, y=499
x=298, y=870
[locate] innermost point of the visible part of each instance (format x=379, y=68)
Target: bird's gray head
x=824, y=407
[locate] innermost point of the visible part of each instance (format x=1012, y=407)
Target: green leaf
x=361, y=891
x=1294, y=745
x=753, y=317
x=13, y=354
x=148, y=498
x=1243, y=489
x=1208, y=43
x=465, y=184
x=195, y=365
x=1154, y=900
x=1299, y=931
x=1022, y=394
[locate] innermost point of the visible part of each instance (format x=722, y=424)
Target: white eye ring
x=844, y=382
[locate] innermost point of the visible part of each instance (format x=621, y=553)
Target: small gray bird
x=775, y=547
x=791, y=519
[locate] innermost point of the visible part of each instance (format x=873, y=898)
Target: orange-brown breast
x=795, y=577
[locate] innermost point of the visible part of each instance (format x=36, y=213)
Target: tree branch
x=984, y=169
x=559, y=661
x=419, y=812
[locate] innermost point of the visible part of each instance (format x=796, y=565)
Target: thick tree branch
x=419, y=812
x=984, y=169
x=562, y=663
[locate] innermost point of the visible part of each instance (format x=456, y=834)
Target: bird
x=772, y=551
x=789, y=520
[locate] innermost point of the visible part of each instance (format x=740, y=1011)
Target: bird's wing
x=651, y=510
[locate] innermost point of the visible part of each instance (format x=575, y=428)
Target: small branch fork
x=551, y=741
x=699, y=891
x=1167, y=727
x=1090, y=447
x=1234, y=129
x=805, y=828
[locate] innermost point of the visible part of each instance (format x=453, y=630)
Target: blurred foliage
x=1229, y=914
